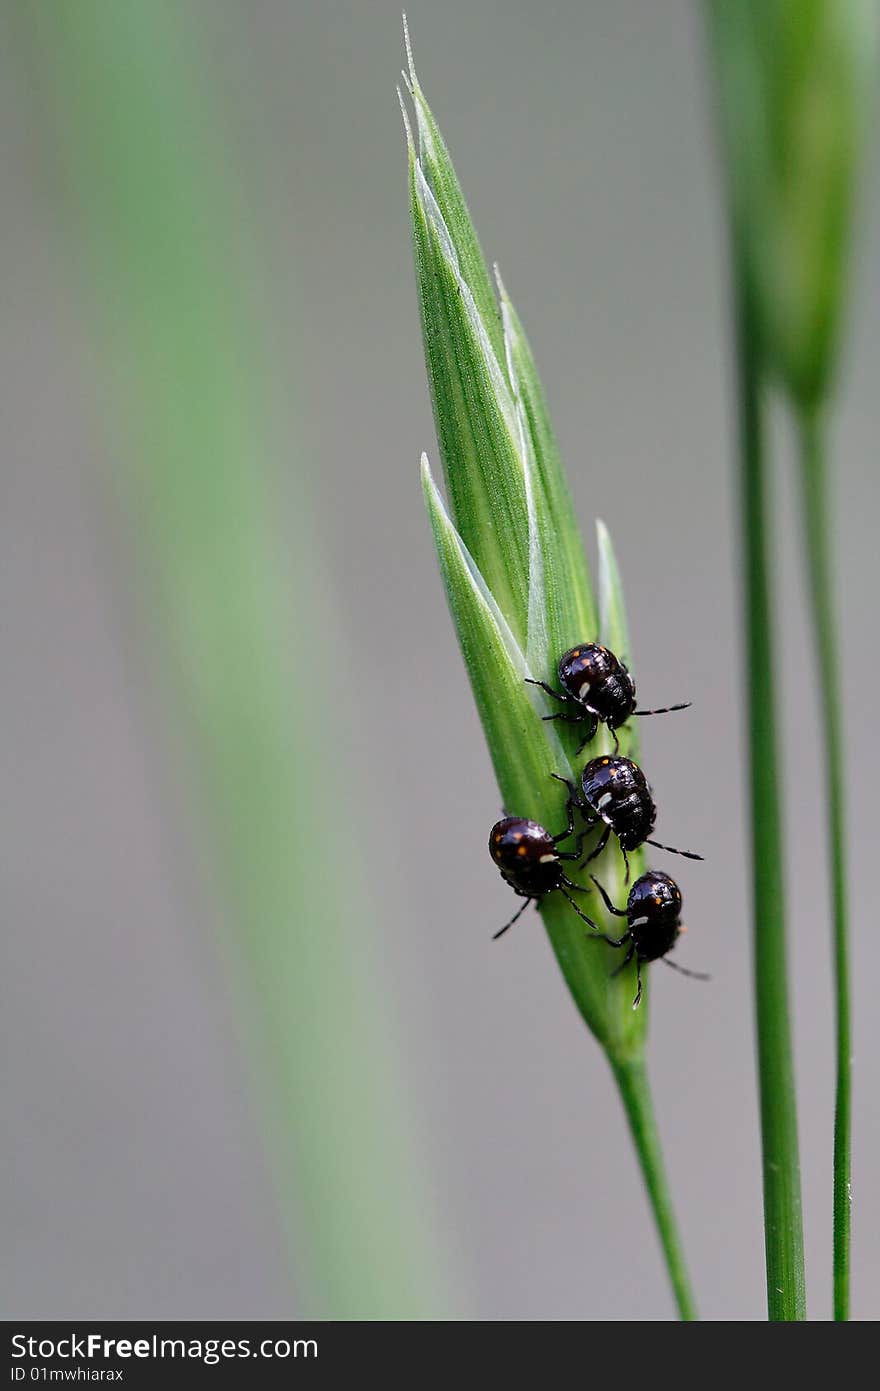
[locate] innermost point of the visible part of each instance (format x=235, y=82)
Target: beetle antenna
x=683, y=970
x=518, y=914
x=665, y=709
x=688, y=854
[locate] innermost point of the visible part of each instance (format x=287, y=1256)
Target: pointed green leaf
x=495, y=437
x=476, y=419
x=614, y=632
x=443, y=182
x=570, y=611
x=613, y=625
x=524, y=750
x=518, y=586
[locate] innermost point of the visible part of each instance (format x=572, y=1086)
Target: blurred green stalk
x=192, y=402
x=783, y=1221
x=795, y=83
x=817, y=520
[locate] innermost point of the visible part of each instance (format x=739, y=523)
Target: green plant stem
x=817, y=544
x=632, y=1079
x=783, y=1224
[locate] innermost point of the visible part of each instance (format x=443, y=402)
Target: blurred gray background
x=134, y=1184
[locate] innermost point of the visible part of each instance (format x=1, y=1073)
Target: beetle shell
x=526, y=856
x=653, y=912
x=616, y=790
x=596, y=679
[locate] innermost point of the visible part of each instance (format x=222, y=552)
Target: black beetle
x=653, y=917
x=616, y=791
x=530, y=862
x=599, y=687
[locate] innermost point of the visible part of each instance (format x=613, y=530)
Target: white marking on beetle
x=637, y=922
x=604, y=800
x=546, y=859
x=584, y=691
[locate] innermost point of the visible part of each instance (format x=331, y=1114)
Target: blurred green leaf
x=231, y=595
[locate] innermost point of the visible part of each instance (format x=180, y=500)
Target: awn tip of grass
x=410, y=143
x=409, y=53
x=502, y=293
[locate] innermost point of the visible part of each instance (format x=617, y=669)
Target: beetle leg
x=637, y=1000
x=573, y=854
x=572, y=790
x=580, y=914
x=589, y=736
x=566, y=719
x=598, y=847
x=570, y=884
x=570, y=806
x=569, y=831
x=615, y=942
x=566, y=699
x=618, y=912
x=626, y=960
